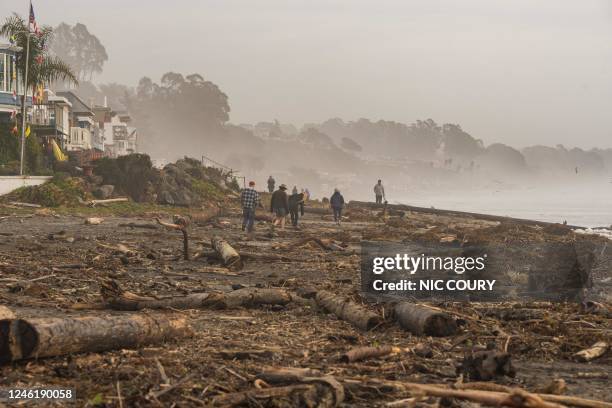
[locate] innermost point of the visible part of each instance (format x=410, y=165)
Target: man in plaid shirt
x=250, y=200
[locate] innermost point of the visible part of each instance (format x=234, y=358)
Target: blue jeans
x=248, y=218
x=337, y=213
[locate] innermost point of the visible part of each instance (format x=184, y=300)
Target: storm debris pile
x=289, y=326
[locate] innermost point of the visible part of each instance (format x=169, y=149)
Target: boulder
x=103, y=192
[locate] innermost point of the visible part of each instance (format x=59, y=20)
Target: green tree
x=79, y=48
x=43, y=68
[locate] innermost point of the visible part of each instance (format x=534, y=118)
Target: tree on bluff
x=179, y=114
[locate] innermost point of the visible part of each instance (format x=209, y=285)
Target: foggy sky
x=521, y=72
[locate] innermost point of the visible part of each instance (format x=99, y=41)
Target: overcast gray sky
x=519, y=72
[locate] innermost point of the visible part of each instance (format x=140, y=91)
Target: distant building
x=81, y=123
x=119, y=137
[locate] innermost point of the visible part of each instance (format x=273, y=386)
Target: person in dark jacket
x=271, y=183
x=336, y=202
x=296, y=205
x=279, y=205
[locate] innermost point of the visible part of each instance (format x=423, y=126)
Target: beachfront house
x=51, y=117
x=81, y=123
x=11, y=84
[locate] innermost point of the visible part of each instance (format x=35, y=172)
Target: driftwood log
x=47, y=337
x=347, y=310
x=595, y=351
x=363, y=353
x=94, y=221
x=179, y=224
x=286, y=375
x=93, y=203
x=310, y=392
x=116, y=298
x=231, y=257
x=421, y=320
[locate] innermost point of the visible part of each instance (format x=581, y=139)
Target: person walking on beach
x=271, y=183
x=336, y=202
x=279, y=205
x=250, y=200
x=379, y=192
x=296, y=206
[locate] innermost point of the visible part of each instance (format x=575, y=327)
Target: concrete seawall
x=10, y=183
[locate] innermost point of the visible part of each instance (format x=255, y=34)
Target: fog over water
x=585, y=206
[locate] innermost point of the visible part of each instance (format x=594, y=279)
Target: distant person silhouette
x=271, y=183
x=379, y=192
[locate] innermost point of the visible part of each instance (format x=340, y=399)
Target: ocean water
x=589, y=206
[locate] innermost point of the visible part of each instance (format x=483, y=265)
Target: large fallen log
x=422, y=320
x=231, y=258
x=116, y=298
x=47, y=337
x=347, y=310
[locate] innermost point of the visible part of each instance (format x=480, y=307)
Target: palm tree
x=43, y=68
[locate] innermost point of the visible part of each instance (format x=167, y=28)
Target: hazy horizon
x=516, y=72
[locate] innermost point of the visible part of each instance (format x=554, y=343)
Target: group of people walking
x=283, y=204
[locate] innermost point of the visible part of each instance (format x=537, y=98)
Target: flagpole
x=25, y=95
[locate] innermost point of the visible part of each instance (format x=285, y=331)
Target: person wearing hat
x=336, y=202
x=279, y=205
x=250, y=200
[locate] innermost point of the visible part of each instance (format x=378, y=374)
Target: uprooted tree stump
x=487, y=365
x=421, y=320
x=347, y=310
x=46, y=337
x=231, y=257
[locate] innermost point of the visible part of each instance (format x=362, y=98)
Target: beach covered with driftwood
x=147, y=307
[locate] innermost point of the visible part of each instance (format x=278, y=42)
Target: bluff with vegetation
x=183, y=183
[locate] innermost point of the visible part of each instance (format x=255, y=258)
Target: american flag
x=33, y=25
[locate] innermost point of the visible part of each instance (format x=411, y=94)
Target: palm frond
x=52, y=69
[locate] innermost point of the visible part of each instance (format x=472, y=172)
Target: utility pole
x=25, y=94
